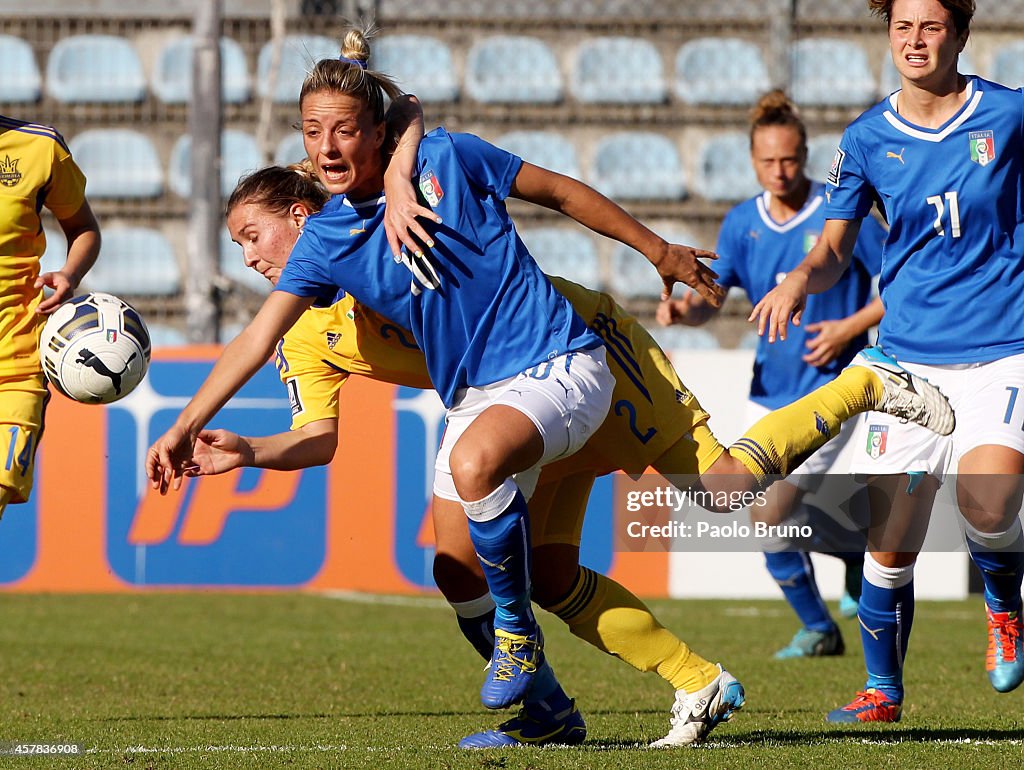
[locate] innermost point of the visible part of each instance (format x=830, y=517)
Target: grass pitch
x=300, y=681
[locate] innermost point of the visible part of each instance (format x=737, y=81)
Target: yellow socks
x=780, y=441
x=603, y=613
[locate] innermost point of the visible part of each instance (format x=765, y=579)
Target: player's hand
x=830, y=340
x=402, y=214
x=219, y=451
x=682, y=263
x=168, y=458
x=62, y=289
x=674, y=311
x=785, y=301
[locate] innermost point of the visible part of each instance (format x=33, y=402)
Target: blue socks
x=886, y=615
x=1000, y=558
x=794, y=573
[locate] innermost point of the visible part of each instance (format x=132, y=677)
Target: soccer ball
x=95, y=348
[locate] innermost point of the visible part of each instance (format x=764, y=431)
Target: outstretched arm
x=819, y=271
x=168, y=458
x=593, y=210
x=83, y=234
x=220, y=451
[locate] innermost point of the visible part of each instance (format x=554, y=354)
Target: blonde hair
x=348, y=74
x=962, y=11
x=276, y=188
x=776, y=109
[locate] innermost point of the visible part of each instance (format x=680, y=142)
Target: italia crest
x=877, y=439
x=983, y=147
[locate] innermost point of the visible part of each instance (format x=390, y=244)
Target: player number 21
x=939, y=202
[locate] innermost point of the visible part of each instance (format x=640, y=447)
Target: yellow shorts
x=23, y=400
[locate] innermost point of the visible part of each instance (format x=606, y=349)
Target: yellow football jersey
x=650, y=411
x=36, y=170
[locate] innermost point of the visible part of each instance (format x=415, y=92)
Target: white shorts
x=989, y=408
x=832, y=458
x=566, y=398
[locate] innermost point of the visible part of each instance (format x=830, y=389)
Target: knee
x=474, y=470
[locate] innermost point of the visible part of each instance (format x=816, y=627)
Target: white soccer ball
x=95, y=348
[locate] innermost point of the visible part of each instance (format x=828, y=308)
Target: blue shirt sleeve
x=487, y=166
x=848, y=194
x=307, y=274
x=870, y=243
x=729, y=251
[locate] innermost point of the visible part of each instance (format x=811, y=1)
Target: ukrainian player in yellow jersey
x=36, y=170
x=655, y=421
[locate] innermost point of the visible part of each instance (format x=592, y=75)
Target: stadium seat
x=172, y=72
x=1007, y=65
x=618, y=70
x=720, y=71
x=684, y=338
x=239, y=156
x=290, y=150
x=831, y=72
x=636, y=165
x=821, y=151
x=95, y=68
x=420, y=64
x=549, y=149
x=164, y=336
x=135, y=261
x=298, y=55
x=890, y=80
x=118, y=163
x=21, y=81
x=633, y=276
x=233, y=266
x=507, y=68
x=724, y=168
x=562, y=251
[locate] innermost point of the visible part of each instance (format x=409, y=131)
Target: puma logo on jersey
x=356, y=230
x=891, y=154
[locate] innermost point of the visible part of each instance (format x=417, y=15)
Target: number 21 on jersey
x=941, y=203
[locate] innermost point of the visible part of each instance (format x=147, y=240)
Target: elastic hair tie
x=358, y=62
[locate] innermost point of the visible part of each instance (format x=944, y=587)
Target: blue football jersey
x=478, y=305
x=953, y=266
x=755, y=252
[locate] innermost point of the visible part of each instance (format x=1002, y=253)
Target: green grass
x=300, y=681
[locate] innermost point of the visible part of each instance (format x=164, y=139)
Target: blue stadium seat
x=21, y=81
x=724, y=168
x=562, y=251
x=509, y=68
x=164, y=336
x=298, y=55
x=549, y=149
x=890, y=80
x=290, y=150
x=135, y=261
x=95, y=68
x=720, y=71
x=831, y=72
x=172, y=72
x=420, y=64
x=1007, y=65
x=633, y=276
x=239, y=155
x=636, y=165
x=118, y=163
x=821, y=151
x=233, y=266
x=618, y=70
x=684, y=338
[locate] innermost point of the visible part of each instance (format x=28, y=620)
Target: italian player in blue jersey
x=761, y=240
x=945, y=156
